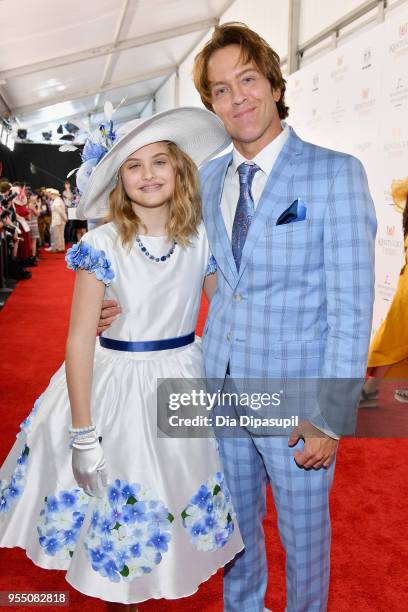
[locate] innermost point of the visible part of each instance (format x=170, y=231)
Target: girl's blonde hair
x=184, y=205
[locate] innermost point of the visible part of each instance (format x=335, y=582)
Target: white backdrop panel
x=355, y=99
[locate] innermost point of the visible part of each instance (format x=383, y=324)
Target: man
x=292, y=229
x=58, y=221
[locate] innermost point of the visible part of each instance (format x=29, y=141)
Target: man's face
x=243, y=99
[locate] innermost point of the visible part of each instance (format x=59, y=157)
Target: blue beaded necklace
x=153, y=257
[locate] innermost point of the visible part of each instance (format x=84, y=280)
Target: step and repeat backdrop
x=355, y=99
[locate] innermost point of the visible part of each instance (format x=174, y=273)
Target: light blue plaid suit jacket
x=301, y=303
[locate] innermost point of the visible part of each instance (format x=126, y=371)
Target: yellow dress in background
x=390, y=343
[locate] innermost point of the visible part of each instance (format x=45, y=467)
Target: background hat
x=399, y=193
x=52, y=191
x=196, y=131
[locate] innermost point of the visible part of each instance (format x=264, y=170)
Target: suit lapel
x=277, y=186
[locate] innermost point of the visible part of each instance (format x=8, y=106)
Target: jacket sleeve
x=349, y=243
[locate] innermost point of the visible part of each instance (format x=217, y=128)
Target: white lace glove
x=88, y=464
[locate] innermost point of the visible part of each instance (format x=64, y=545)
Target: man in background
x=58, y=221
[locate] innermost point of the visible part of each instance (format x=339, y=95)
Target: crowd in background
x=30, y=220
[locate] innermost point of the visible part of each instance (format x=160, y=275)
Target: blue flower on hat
x=93, y=150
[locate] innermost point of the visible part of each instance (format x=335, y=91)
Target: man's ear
x=276, y=93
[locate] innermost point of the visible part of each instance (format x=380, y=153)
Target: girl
x=136, y=516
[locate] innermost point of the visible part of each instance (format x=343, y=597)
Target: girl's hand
x=88, y=465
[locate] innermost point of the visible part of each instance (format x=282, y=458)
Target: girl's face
x=148, y=176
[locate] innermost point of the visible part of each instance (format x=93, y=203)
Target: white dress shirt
x=265, y=159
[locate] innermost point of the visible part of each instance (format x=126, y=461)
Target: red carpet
x=369, y=500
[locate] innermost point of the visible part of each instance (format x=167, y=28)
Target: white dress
x=166, y=522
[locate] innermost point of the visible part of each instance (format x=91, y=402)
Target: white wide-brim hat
x=196, y=131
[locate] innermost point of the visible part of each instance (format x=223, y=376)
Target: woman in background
x=34, y=207
x=390, y=343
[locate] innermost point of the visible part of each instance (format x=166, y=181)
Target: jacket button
x=228, y=337
x=237, y=297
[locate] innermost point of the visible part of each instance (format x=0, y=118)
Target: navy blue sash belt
x=148, y=345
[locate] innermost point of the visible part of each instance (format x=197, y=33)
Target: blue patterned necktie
x=245, y=210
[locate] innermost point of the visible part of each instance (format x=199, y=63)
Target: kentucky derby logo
x=367, y=59
x=341, y=68
x=366, y=102
x=390, y=230
x=399, y=94
x=400, y=45
x=403, y=29
x=390, y=246
x=314, y=117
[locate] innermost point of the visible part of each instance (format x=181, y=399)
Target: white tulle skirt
x=166, y=522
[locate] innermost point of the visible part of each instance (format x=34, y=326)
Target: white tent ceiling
x=61, y=60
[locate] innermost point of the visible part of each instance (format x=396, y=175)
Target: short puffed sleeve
x=86, y=256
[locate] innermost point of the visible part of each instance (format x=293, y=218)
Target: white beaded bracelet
x=83, y=433
x=76, y=433
x=79, y=430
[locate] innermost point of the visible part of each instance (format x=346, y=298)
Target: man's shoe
x=368, y=400
x=401, y=395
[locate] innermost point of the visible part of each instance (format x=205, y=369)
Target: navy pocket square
x=295, y=212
